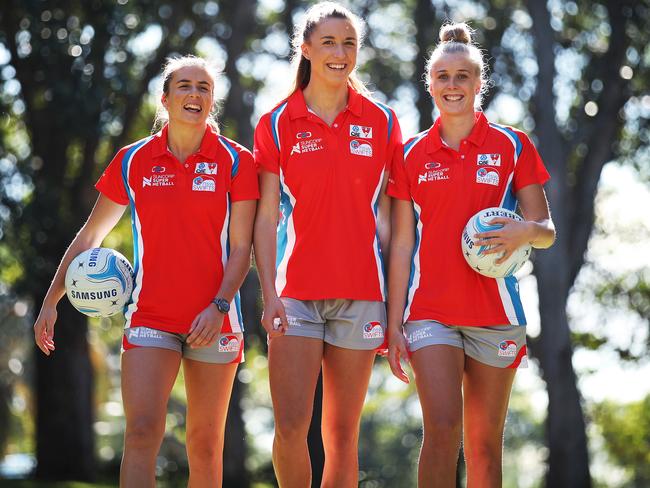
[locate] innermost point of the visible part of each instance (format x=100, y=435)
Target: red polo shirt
x=179, y=214
x=447, y=187
x=330, y=183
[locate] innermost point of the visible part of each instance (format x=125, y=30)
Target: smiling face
x=189, y=96
x=332, y=51
x=455, y=83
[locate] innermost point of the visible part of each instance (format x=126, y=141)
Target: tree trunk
x=568, y=461
x=425, y=20
x=65, y=444
x=315, y=436
x=235, y=474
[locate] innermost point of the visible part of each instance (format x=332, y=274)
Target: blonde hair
x=171, y=66
x=457, y=38
x=300, y=65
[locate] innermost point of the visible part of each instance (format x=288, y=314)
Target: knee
x=144, y=432
x=340, y=438
x=291, y=428
x=204, y=446
x=443, y=429
x=483, y=452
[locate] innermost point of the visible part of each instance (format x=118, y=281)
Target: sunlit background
x=79, y=81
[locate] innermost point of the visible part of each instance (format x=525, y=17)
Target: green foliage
x=626, y=431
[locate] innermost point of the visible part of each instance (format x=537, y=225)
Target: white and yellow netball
x=99, y=282
x=475, y=255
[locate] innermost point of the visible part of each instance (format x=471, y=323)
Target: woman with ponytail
x=323, y=154
x=463, y=332
x=192, y=196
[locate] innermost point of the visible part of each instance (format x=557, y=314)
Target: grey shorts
x=229, y=348
x=501, y=346
x=351, y=324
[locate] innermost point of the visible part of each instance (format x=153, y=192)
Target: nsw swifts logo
x=229, y=343
x=487, y=176
x=507, y=349
x=203, y=183
x=373, y=330
x=360, y=148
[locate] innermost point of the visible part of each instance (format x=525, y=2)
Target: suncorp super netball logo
x=373, y=330
x=229, y=343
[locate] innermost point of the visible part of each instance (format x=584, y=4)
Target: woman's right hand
x=44, y=328
x=274, y=319
x=397, y=348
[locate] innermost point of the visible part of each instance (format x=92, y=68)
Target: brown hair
x=300, y=65
x=170, y=67
x=457, y=38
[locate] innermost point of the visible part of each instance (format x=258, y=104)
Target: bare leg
x=208, y=388
x=438, y=377
x=148, y=375
x=294, y=364
x=346, y=373
x=486, y=394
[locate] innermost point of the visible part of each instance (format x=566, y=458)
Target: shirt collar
x=297, y=106
x=476, y=137
x=208, y=148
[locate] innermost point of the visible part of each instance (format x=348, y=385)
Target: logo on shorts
x=143, y=333
x=361, y=131
x=419, y=334
x=201, y=183
x=205, y=168
x=293, y=321
x=360, y=148
x=373, y=330
x=507, y=349
x=229, y=343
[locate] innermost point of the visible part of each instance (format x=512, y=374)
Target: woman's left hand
x=206, y=327
x=507, y=239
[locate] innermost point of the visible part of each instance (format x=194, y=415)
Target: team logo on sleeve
x=488, y=159
x=205, y=168
x=360, y=148
x=487, y=176
x=202, y=183
x=373, y=330
x=360, y=131
x=229, y=343
x=507, y=349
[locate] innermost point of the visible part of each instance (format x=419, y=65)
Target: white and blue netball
x=99, y=282
x=475, y=255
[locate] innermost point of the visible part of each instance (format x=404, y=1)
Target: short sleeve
x=398, y=184
x=530, y=169
x=111, y=182
x=265, y=148
x=244, y=184
x=395, y=146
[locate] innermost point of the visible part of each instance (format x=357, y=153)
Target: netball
x=99, y=282
x=475, y=255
